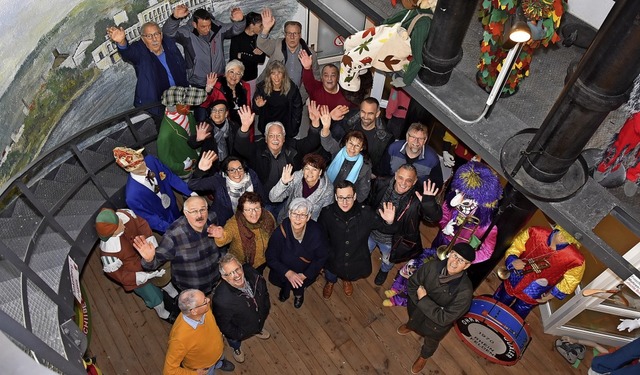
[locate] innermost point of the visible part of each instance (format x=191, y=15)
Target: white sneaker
x=593, y=372
x=263, y=335
x=238, y=355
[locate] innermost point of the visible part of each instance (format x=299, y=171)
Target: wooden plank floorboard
x=342, y=335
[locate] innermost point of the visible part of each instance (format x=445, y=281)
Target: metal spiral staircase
x=46, y=217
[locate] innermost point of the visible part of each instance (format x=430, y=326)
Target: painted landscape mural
x=58, y=75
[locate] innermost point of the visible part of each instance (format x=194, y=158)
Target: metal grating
x=11, y=298
x=70, y=173
x=44, y=318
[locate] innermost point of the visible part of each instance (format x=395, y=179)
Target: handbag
x=402, y=249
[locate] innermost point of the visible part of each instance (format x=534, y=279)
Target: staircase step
x=87, y=192
x=22, y=208
x=107, y=145
x=72, y=173
x=76, y=207
x=124, y=137
x=11, y=296
x=50, y=191
x=18, y=245
x=73, y=224
x=44, y=318
x=95, y=160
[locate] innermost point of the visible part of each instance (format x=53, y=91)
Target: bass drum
x=494, y=331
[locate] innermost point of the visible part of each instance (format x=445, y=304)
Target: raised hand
x=339, y=112
x=117, y=35
x=212, y=78
x=267, y=20
x=305, y=59
x=181, y=11
x=257, y=51
x=215, y=231
x=203, y=132
x=246, y=118
x=260, y=101
x=207, y=160
x=236, y=14
x=325, y=117
x=429, y=188
x=314, y=112
x=147, y=250
x=287, y=174
x=388, y=212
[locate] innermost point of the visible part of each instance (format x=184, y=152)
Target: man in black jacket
x=270, y=155
x=240, y=304
x=411, y=207
x=440, y=292
x=347, y=224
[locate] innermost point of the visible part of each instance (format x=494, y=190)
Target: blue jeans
x=520, y=307
x=616, y=363
x=385, y=249
x=234, y=344
x=330, y=277
x=212, y=369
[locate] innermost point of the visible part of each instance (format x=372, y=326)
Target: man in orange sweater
x=195, y=341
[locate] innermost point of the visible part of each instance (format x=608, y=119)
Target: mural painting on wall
x=60, y=73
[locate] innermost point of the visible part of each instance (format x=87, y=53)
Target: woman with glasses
x=277, y=98
x=297, y=252
x=227, y=186
x=247, y=232
x=230, y=88
x=350, y=160
x=310, y=183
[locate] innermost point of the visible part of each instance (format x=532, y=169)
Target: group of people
x=261, y=194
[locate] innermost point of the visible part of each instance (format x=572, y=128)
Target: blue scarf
x=336, y=164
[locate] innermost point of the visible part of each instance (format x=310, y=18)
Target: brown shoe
x=418, y=365
x=404, y=330
x=347, y=286
x=328, y=289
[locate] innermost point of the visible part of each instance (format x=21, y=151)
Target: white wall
x=592, y=12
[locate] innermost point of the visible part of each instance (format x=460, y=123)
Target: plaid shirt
x=194, y=256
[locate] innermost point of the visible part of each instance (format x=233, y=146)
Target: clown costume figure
x=397, y=295
x=543, y=264
x=475, y=192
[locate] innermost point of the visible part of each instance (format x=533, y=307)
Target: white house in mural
x=75, y=60
x=158, y=11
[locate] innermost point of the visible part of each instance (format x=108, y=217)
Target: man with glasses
x=241, y=304
x=193, y=255
x=440, y=292
x=416, y=152
x=195, y=341
x=347, y=224
x=157, y=61
x=287, y=49
x=203, y=39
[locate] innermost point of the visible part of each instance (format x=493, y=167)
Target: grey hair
x=272, y=123
x=187, y=300
x=226, y=259
x=147, y=24
x=234, y=64
x=300, y=203
x=418, y=127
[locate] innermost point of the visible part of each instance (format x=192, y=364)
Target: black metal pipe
x=601, y=83
x=443, y=48
x=513, y=214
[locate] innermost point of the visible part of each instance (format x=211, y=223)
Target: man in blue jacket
x=157, y=61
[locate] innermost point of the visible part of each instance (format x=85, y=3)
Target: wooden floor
x=342, y=335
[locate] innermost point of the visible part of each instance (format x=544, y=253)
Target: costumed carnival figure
x=475, y=191
x=543, y=18
x=622, y=156
x=121, y=261
x=543, y=264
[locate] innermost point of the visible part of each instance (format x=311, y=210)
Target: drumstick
x=590, y=292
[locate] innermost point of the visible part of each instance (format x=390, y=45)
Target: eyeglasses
x=344, y=199
x=357, y=146
x=458, y=259
x=201, y=211
x=252, y=210
x=274, y=136
x=205, y=303
x=233, y=170
x=151, y=36
x=237, y=74
x=237, y=271
x=295, y=33
x=297, y=215
x=220, y=110
x=417, y=138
